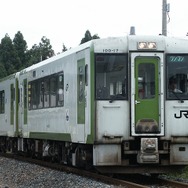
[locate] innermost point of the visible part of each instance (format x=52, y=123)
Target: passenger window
x=53, y=87
x=46, y=93
x=12, y=99
x=41, y=94
x=81, y=85
x=34, y=95
x=60, y=91
x=2, y=102
x=25, y=94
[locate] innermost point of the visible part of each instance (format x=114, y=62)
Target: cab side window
x=177, y=76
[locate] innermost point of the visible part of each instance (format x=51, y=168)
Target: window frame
x=126, y=75
x=40, y=92
x=175, y=96
x=2, y=101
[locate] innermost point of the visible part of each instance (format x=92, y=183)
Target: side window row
x=46, y=92
x=2, y=102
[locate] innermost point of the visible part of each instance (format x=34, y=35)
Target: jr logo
x=182, y=113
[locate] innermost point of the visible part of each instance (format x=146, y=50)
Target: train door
x=14, y=105
x=21, y=107
x=81, y=99
x=147, y=105
x=13, y=110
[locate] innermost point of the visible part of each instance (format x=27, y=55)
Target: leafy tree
x=88, y=37
x=15, y=56
x=96, y=36
x=8, y=55
x=64, y=48
x=20, y=46
x=46, y=48
x=40, y=52
x=34, y=55
x=3, y=71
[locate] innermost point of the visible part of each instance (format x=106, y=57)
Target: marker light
x=147, y=45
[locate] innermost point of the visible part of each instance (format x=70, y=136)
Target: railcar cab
x=129, y=101
x=141, y=96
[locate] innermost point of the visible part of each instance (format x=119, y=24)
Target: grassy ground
x=180, y=176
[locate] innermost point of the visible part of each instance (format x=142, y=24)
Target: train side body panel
x=8, y=114
x=70, y=121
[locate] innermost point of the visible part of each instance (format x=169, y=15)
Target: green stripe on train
x=90, y=138
x=51, y=136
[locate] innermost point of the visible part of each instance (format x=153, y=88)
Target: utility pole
x=165, y=10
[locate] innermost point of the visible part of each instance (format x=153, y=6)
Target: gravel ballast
x=17, y=174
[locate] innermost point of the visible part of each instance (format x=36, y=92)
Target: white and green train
x=117, y=104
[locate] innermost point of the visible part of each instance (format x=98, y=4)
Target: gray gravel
x=16, y=174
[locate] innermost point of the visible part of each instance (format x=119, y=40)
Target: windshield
x=177, y=76
x=111, y=76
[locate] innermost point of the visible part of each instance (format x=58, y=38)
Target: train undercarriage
x=62, y=152
x=146, y=160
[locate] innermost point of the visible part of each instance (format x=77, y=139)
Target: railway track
x=147, y=181
x=155, y=182
x=174, y=184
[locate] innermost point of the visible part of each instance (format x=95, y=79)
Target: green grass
x=179, y=175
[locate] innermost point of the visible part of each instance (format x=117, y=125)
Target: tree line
x=15, y=55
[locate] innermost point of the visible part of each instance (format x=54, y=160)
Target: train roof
x=129, y=42
x=164, y=43
x=9, y=77
x=59, y=56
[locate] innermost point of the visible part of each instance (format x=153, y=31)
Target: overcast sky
x=66, y=21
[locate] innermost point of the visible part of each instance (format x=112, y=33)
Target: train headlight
x=147, y=45
x=142, y=45
x=152, y=45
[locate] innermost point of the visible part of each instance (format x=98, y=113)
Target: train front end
x=137, y=118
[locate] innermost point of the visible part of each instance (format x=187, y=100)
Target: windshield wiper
x=175, y=94
x=113, y=98
x=116, y=97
